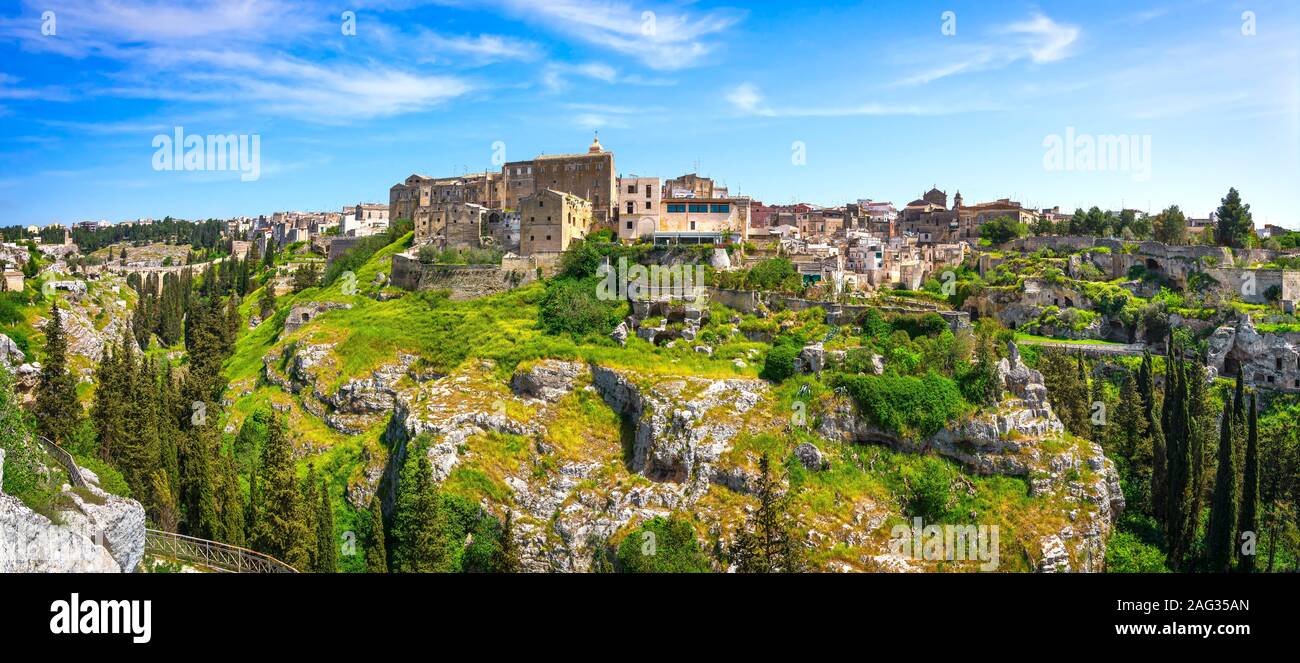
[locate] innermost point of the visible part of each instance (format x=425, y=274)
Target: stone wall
x=470, y=281
x=750, y=301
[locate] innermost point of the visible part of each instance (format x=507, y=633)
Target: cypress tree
x=1223, y=512
x=198, y=485
x=56, y=409
x=1146, y=389
x=280, y=529
x=376, y=556
x=1248, y=521
x=231, y=502
x=326, y=551
x=765, y=543
x=1178, y=465
x=310, y=500
x=142, y=449
x=1130, y=422
x=107, y=410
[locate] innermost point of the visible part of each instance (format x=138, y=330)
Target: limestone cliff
x=91, y=532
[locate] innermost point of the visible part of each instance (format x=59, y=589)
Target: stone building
x=692, y=185
x=970, y=218
x=13, y=280
x=638, y=204
x=453, y=225
x=415, y=197
x=550, y=220
x=364, y=219
x=590, y=176
x=705, y=215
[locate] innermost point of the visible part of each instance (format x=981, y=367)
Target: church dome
x=595, y=145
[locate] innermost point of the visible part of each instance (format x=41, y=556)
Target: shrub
x=917, y=325
x=904, y=404
x=874, y=325
x=1126, y=553
x=929, y=492
x=779, y=364
x=571, y=306
x=662, y=545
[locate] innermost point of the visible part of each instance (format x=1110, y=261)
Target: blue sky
x=878, y=97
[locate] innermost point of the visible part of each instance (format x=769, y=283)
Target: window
x=676, y=208
x=631, y=188
x=699, y=208
x=631, y=207
x=647, y=204
x=692, y=225
x=647, y=191
x=1279, y=364
x=548, y=238
x=723, y=208
x=629, y=225
x=531, y=238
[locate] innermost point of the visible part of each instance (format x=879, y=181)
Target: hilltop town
x=569, y=358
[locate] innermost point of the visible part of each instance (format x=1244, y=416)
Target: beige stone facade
x=551, y=220
x=638, y=207
x=453, y=225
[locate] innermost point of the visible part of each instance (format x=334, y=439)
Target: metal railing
x=211, y=554
x=65, y=459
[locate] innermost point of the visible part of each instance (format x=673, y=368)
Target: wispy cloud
x=169, y=53
x=747, y=99
x=661, y=38
x=1038, y=39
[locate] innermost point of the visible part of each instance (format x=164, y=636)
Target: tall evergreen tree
x=280, y=529
x=1223, y=513
x=230, y=502
x=1248, y=517
x=376, y=556
x=57, y=411
x=326, y=551
x=1235, y=223
x=766, y=543
x=1146, y=389
x=198, y=483
x=310, y=499
x=1179, y=523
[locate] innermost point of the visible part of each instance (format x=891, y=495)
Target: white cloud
x=234, y=53
x=1048, y=41
x=660, y=38
x=1038, y=39
x=748, y=100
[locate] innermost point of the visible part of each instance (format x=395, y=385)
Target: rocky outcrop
x=811, y=359
x=11, y=357
x=683, y=425
x=811, y=457
x=1020, y=437
x=1269, y=361
x=547, y=380
x=92, y=532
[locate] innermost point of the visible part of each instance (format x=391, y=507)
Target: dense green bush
x=904, y=404
x=874, y=325
x=923, y=324
x=1127, y=553
x=662, y=545
x=571, y=306
x=929, y=490
x=779, y=364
